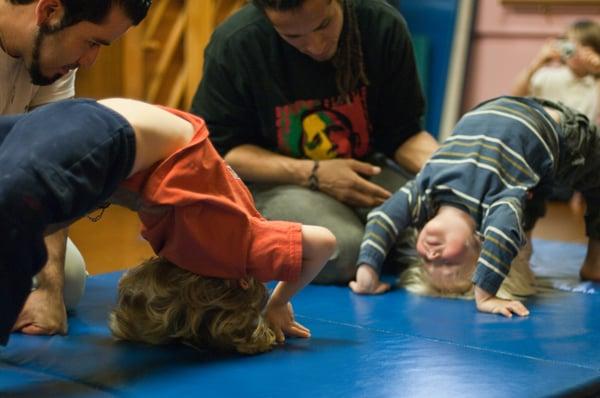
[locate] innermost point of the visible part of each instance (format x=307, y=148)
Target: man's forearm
x=415, y=151
x=256, y=164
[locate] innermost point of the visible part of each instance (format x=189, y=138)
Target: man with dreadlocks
x=309, y=101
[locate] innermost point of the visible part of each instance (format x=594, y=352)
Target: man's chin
x=322, y=58
x=45, y=81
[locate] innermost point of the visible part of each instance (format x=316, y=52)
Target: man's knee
x=290, y=203
x=341, y=267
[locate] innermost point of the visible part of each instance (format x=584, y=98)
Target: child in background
x=196, y=213
x=480, y=193
x=567, y=70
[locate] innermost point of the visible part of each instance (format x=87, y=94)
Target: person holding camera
x=567, y=70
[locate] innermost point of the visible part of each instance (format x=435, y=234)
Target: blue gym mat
x=395, y=345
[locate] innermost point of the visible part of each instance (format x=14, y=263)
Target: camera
x=566, y=49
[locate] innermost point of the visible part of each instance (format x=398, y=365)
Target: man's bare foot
x=43, y=313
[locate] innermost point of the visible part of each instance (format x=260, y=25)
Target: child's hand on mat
x=281, y=320
x=487, y=302
x=43, y=313
x=367, y=281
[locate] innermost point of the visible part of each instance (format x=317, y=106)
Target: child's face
x=449, y=252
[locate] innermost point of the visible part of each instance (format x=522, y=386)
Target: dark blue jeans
x=57, y=163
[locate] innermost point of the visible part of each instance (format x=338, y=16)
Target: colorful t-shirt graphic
x=324, y=129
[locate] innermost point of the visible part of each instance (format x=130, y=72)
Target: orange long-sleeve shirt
x=198, y=214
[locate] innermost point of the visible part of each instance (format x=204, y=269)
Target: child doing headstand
x=567, y=70
x=480, y=193
x=196, y=214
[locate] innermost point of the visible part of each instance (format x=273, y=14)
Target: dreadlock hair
x=160, y=303
x=348, y=59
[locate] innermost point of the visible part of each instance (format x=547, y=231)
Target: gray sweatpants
x=299, y=204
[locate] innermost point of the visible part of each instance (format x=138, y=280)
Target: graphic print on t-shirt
x=324, y=129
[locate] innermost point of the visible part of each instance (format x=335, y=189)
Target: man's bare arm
x=415, y=151
x=342, y=179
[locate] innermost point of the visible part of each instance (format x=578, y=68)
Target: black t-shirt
x=258, y=89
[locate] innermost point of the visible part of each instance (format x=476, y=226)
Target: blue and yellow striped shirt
x=496, y=154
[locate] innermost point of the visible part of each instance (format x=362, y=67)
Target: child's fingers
x=279, y=335
x=506, y=312
x=382, y=288
x=297, y=330
x=295, y=327
x=356, y=288
x=362, y=289
x=518, y=308
x=301, y=326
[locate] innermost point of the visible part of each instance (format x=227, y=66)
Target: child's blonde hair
x=160, y=303
x=519, y=283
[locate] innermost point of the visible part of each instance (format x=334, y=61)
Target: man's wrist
x=313, y=179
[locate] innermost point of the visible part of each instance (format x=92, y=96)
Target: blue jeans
x=56, y=163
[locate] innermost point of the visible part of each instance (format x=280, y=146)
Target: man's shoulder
x=380, y=23
x=379, y=10
x=19, y=95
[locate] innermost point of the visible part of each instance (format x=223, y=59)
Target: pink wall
x=506, y=38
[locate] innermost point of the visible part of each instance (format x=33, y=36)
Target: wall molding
x=551, y=2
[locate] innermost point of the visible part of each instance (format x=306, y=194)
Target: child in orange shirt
x=196, y=214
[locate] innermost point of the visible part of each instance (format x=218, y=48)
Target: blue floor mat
x=395, y=345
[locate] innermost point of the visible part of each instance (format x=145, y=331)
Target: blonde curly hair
x=519, y=283
x=160, y=303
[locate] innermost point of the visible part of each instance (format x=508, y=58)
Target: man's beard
x=35, y=69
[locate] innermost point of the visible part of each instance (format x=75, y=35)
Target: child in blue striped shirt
x=478, y=197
